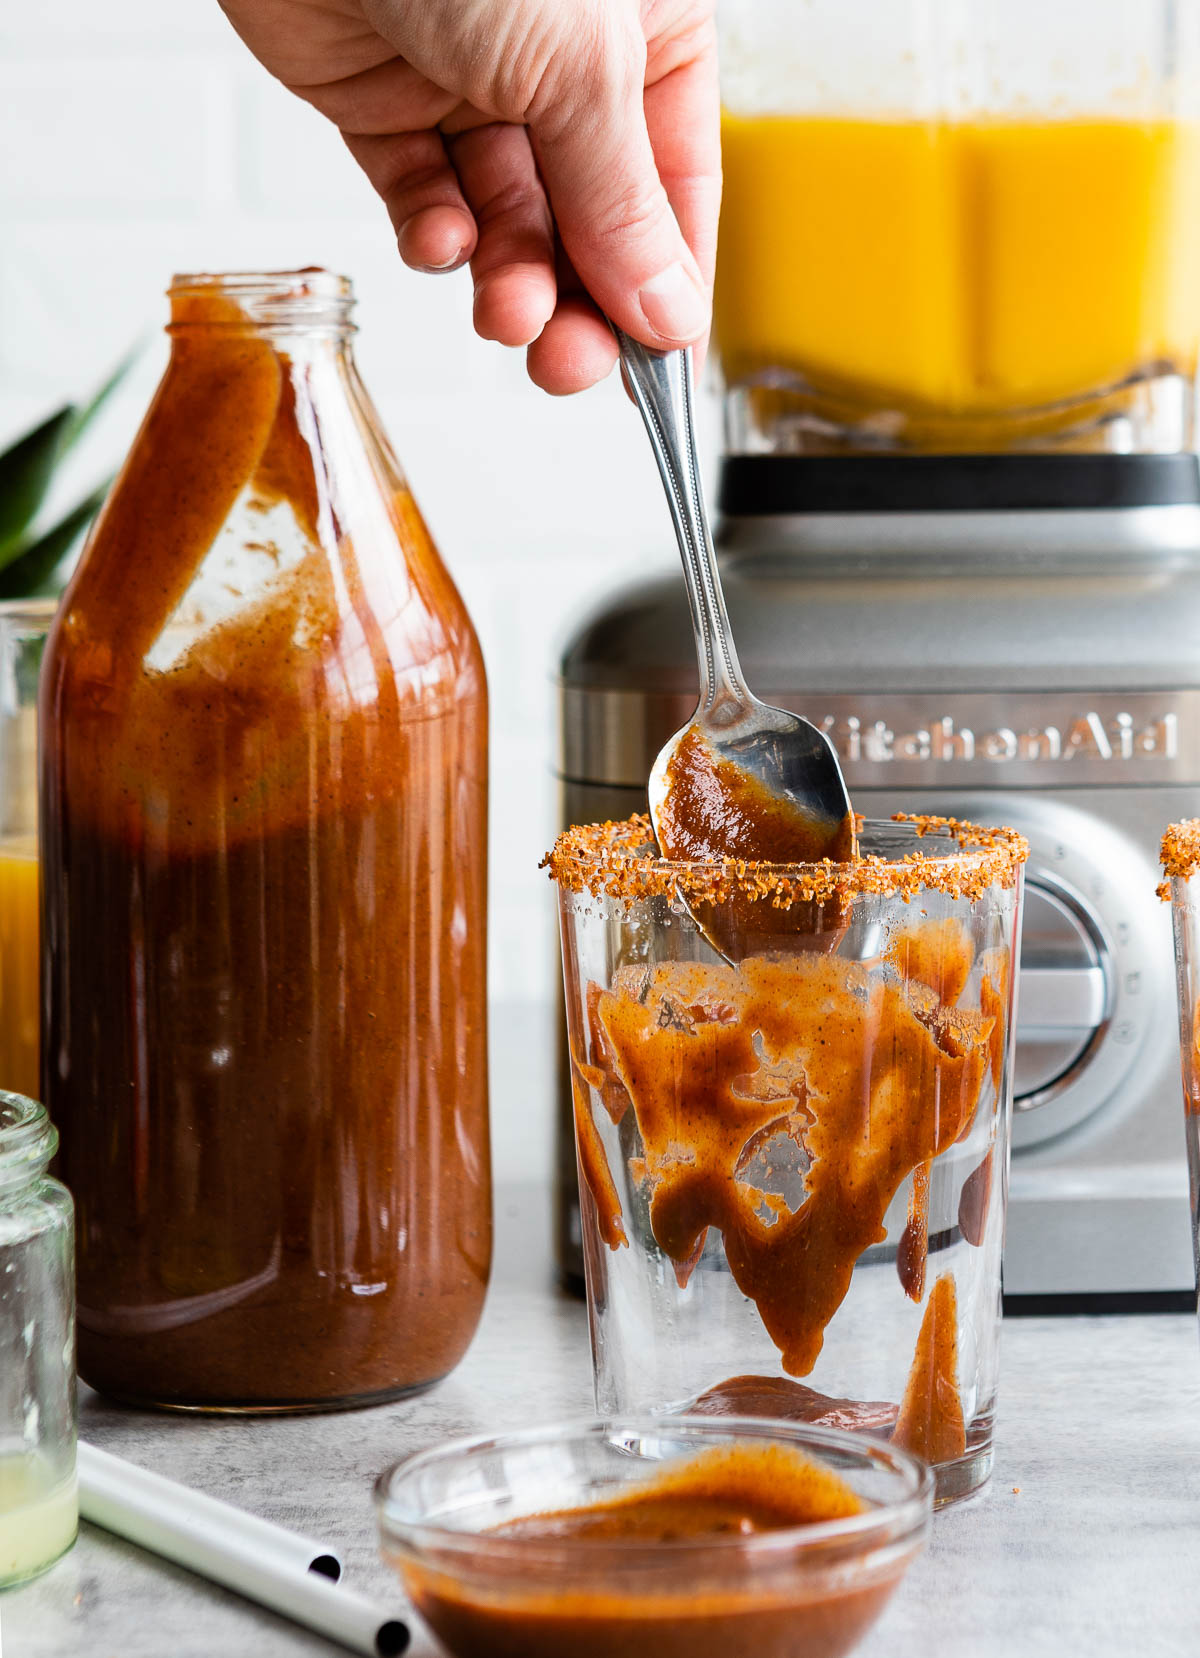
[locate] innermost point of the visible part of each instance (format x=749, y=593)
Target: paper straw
x=180, y=1511
x=288, y=1573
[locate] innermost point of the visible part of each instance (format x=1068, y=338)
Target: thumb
x=612, y=212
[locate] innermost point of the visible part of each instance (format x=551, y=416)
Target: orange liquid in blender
x=19, y=988
x=959, y=269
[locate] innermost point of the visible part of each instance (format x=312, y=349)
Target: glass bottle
x=264, y=839
x=39, y=1509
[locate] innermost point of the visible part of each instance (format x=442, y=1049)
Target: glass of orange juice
x=956, y=225
x=23, y=628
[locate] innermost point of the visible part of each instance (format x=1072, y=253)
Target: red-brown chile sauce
x=563, y=1604
x=264, y=899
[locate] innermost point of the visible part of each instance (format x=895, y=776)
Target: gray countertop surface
x=1095, y=1552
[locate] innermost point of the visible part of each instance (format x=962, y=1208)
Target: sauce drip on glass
x=718, y=1061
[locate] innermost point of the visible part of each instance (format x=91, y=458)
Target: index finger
x=683, y=118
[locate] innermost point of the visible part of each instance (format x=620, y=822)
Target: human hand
x=569, y=149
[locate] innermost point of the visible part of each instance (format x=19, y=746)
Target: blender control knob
x=1095, y=998
x=1066, y=987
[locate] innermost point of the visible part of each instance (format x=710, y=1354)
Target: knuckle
x=636, y=213
x=513, y=200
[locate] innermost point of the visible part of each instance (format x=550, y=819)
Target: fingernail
x=451, y=264
x=674, y=304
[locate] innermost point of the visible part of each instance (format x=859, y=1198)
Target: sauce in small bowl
x=662, y=1537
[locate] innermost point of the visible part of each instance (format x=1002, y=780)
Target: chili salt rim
x=610, y=860
x=1179, y=853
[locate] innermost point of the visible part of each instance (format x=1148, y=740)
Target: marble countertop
x=1095, y=1552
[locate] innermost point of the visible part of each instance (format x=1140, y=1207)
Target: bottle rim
x=290, y=299
x=28, y=1139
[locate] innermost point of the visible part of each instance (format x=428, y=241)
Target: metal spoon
x=788, y=764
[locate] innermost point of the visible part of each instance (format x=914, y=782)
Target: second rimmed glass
x=793, y=1166
x=1181, y=864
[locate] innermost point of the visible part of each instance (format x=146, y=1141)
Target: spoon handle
x=661, y=384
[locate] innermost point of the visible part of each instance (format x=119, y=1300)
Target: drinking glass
x=24, y=624
x=793, y=1165
x=1181, y=864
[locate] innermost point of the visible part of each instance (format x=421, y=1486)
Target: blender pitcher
x=959, y=225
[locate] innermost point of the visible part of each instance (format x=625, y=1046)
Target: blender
x=957, y=318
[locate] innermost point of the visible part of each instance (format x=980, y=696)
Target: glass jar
x=793, y=1165
x=264, y=731
x=39, y=1510
x=957, y=225
x=24, y=624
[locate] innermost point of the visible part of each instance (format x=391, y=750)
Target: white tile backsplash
x=290, y=156
x=117, y=26
x=140, y=138
x=124, y=137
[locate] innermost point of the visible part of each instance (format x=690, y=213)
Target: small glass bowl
x=800, y=1592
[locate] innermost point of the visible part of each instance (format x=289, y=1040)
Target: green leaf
x=25, y=473
x=27, y=468
x=30, y=572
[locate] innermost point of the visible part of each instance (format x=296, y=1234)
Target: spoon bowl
x=761, y=788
